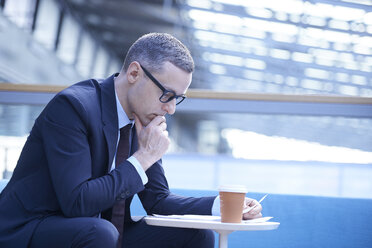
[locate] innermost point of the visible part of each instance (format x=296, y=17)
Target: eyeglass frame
x=165, y=91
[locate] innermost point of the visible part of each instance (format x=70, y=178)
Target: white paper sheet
x=208, y=218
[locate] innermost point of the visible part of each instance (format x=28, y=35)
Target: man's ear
x=133, y=72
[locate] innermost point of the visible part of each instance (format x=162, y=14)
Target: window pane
x=115, y=65
x=100, y=65
x=287, y=154
x=47, y=23
x=16, y=122
x=20, y=12
x=277, y=137
x=85, y=56
x=68, y=40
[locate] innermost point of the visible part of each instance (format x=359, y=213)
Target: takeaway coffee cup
x=232, y=203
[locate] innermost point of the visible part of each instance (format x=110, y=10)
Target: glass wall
x=274, y=137
x=285, y=154
x=272, y=153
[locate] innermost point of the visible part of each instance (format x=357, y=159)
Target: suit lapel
x=109, y=117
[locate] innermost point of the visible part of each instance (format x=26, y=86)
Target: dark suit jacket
x=64, y=167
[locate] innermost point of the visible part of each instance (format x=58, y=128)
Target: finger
x=253, y=202
x=253, y=212
x=138, y=124
x=248, y=216
x=257, y=209
x=157, y=121
x=163, y=126
x=248, y=202
x=165, y=133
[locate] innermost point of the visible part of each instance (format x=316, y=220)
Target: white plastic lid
x=233, y=188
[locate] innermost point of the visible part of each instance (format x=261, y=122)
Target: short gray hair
x=154, y=49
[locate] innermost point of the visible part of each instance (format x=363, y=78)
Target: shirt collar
x=123, y=119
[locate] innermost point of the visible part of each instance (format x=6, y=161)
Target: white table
x=223, y=229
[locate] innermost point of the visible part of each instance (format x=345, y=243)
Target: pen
x=249, y=209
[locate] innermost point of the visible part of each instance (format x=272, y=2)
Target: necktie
x=118, y=210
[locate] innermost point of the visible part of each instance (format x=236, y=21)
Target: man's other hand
x=253, y=213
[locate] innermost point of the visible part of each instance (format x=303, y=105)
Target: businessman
x=94, y=146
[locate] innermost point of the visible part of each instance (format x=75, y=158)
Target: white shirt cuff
x=216, y=207
x=139, y=169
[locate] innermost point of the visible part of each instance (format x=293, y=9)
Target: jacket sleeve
x=157, y=199
x=65, y=134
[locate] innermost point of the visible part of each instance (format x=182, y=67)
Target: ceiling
x=118, y=23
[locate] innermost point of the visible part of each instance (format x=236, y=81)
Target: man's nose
x=170, y=107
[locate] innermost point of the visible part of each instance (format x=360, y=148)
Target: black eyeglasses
x=168, y=95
